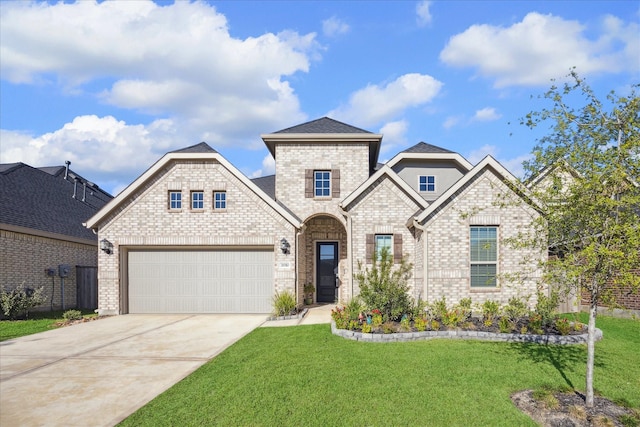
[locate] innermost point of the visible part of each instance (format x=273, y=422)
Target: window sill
x=487, y=289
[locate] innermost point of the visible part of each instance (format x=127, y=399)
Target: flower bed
x=574, y=338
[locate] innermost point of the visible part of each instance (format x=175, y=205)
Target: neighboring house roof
x=385, y=170
x=325, y=130
x=448, y=196
x=423, y=147
x=267, y=184
x=200, y=151
x=41, y=201
x=323, y=125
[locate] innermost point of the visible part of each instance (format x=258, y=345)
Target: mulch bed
x=571, y=411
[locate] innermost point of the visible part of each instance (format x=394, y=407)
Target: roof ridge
x=323, y=125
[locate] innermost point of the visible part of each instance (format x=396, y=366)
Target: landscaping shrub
x=18, y=301
x=385, y=286
x=546, y=308
x=515, y=309
x=72, y=315
x=490, y=310
x=284, y=303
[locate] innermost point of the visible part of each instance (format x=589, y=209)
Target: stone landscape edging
x=461, y=334
x=295, y=316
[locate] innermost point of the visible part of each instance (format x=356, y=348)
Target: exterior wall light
x=284, y=246
x=106, y=246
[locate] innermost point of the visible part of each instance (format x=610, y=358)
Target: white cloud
x=450, y=122
x=394, y=135
x=487, y=114
x=268, y=167
x=333, y=27
x=103, y=149
x=178, y=61
x=542, y=47
x=513, y=165
x=375, y=104
x=423, y=13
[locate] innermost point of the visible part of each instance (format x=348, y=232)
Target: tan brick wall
x=24, y=258
x=247, y=221
x=385, y=209
x=352, y=159
x=447, y=255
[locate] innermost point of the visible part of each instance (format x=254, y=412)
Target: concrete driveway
x=98, y=373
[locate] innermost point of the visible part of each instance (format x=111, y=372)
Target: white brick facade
x=433, y=235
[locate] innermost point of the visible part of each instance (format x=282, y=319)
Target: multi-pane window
x=219, y=200
x=383, y=241
x=322, y=183
x=175, y=200
x=484, y=256
x=197, y=200
x=427, y=183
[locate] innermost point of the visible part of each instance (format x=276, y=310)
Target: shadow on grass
x=564, y=358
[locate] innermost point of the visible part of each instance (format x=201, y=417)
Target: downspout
x=295, y=262
x=425, y=258
x=349, y=219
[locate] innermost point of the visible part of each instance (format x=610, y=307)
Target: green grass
x=37, y=322
x=306, y=376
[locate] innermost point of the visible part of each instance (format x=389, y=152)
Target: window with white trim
x=322, y=183
x=427, y=183
x=219, y=200
x=383, y=241
x=197, y=200
x=175, y=199
x=484, y=256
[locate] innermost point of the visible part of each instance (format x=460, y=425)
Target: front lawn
x=38, y=321
x=306, y=376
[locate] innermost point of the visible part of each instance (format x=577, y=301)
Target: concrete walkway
x=315, y=315
x=100, y=372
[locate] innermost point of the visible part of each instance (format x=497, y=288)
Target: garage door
x=200, y=281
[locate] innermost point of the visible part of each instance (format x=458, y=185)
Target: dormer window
x=427, y=183
x=322, y=183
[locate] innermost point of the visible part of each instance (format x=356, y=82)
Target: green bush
x=547, y=307
x=439, y=308
x=490, y=310
x=284, y=303
x=516, y=309
x=72, y=315
x=18, y=301
x=385, y=286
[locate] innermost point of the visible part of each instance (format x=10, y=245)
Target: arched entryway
x=323, y=257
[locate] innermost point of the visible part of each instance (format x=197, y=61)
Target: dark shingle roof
x=267, y=184
x=323, y=125
x=203, y=147
x=41, y=199
x=423, y=147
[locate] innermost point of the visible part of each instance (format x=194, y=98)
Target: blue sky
x=112, y=86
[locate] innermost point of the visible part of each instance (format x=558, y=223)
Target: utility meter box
x=51, y=271
x=64, y=270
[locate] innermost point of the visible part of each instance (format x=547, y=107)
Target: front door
x=326, y=268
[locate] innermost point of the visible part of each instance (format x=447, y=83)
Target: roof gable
x=487, y=162
x=200, y=153
x=384, y=171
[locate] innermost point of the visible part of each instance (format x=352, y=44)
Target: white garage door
x=200, y=281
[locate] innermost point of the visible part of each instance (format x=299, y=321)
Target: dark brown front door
x=326, y=268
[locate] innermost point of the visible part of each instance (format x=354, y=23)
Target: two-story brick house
x=193, y=234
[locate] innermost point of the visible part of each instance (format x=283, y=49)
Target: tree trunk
x=593, y=312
